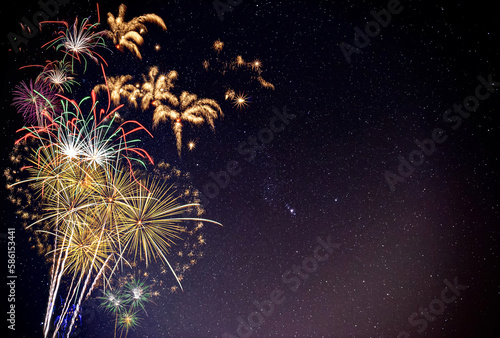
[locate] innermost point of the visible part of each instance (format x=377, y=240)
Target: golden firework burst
x=230, y=94
x=128, y=34
x=218, y=45
x=256, y=64
x=240, y=101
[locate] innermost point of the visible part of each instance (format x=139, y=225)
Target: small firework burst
x=128, y=320
x=34, y=100
x=239, y=61
x=256, y=64
x=218, y=45
x=113, y=301
x=58, y=75
x=137, y=293
x=230, y=94
x=240, y=101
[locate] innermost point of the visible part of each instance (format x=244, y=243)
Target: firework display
x=231, y=168
x=99, y=211
x=113, y=225
x=155, y=93
x=108, y=220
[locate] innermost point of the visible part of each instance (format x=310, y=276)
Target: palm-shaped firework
x=128, y=34
x=156, y=92
x=190, y=109
x=116, y=88
x=156, y=89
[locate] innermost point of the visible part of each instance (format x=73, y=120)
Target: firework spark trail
x=97, y=277
x=76, y=290
x=55, y=284
x=56, y=278
x=67, y=304
x=78, y=304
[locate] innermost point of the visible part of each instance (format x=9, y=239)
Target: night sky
x=328, y=218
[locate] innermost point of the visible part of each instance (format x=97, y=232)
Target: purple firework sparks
x=33, y=99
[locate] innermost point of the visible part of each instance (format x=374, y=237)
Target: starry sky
x=391, y=240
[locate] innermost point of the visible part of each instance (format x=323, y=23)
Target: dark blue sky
x=323, y=175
